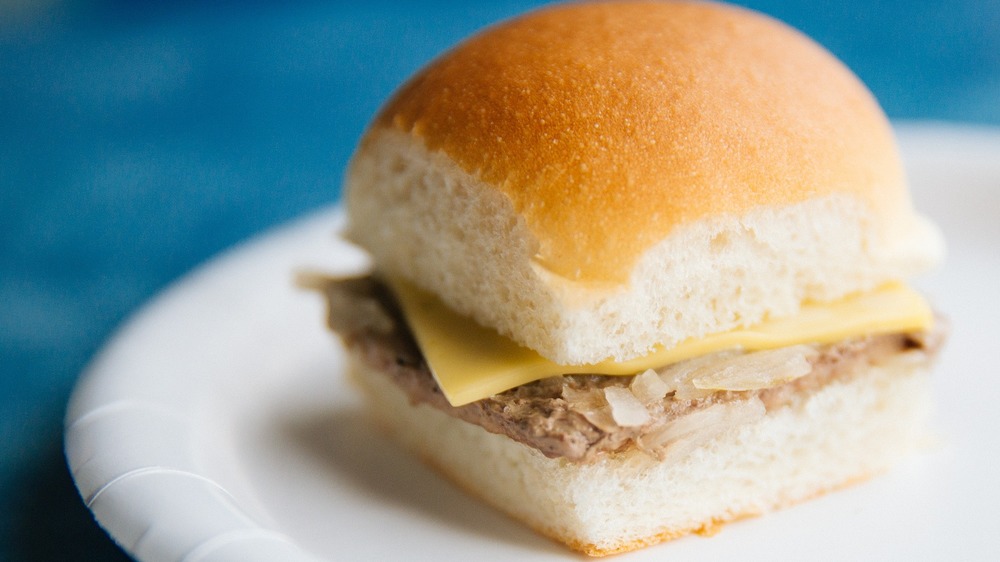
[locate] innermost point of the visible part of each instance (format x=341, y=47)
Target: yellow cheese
x=471, y=362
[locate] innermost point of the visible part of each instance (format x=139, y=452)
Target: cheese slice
x=471, y=362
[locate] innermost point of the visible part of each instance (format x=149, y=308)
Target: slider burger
x=639, y=270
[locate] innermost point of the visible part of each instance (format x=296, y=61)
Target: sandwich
x=639, y=269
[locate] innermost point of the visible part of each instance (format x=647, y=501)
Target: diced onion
x=615, y=407
x=678, y=376
x=648, y=387
x=696, y=428
x=758, y=370
x=592, y=405
x=626, y=409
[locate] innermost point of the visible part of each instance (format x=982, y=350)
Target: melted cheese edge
x=471, y=362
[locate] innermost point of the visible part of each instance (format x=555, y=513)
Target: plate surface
x=217, y=424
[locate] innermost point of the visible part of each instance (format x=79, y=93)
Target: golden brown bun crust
x=608, y=124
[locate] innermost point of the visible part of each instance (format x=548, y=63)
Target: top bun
x=595, y=179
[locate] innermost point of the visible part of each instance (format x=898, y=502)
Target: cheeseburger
x=640, y=269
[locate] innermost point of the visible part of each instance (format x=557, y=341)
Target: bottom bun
x=843, y=432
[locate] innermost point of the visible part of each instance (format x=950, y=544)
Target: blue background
x=137, y=140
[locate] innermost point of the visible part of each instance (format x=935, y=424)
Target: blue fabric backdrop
x=137, y=140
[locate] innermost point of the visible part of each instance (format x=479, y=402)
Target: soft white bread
x=595, y=179
x=846, y=431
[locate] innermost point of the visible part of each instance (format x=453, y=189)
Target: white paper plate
x=217, y=424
